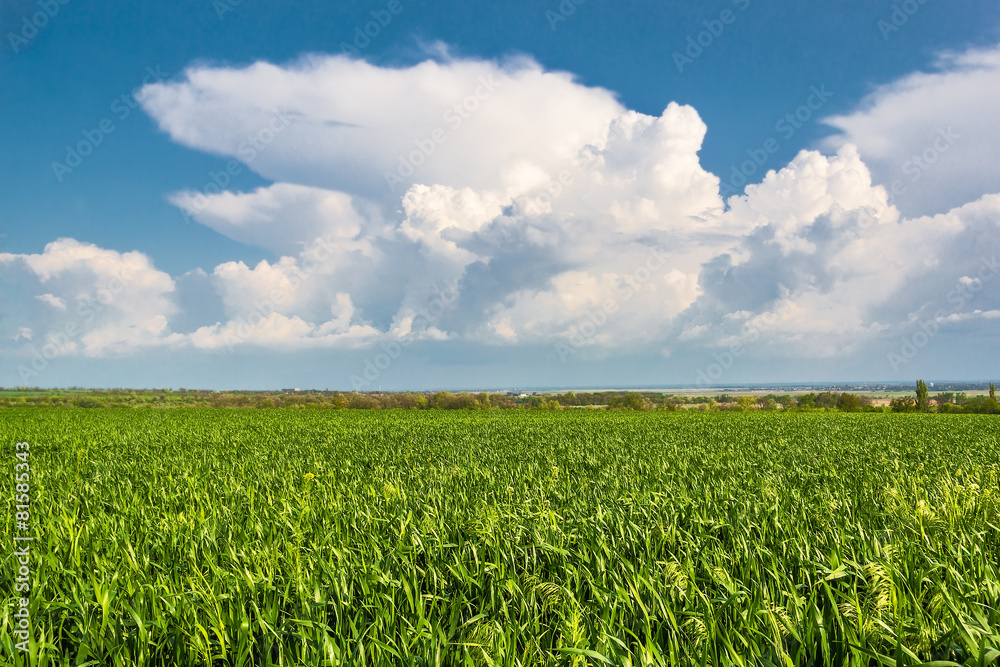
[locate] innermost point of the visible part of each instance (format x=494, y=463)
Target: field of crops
x=210, y=537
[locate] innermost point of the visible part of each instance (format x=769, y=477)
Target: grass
x=199, y=537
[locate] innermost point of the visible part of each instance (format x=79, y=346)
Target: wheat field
x=276, y=537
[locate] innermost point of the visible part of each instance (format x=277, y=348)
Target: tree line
x=944, y=402
x=947, y=402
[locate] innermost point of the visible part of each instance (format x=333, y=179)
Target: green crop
x=200, y=537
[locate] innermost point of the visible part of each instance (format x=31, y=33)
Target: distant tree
x=922, y=401
x=991, y=406
x=630, y=401
x=746, y=403
x=569, y=398
x=787, y=401
x=826, y=399
x=849, y=403
x=981, y=405
x=945, y=398
x=903, y=405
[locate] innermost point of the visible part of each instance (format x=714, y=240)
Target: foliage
x=263, y=537
x=849, y=403
x=904, y=404
x=949, y=402
x=444, y=400
x=630, y=401
x=923, y=403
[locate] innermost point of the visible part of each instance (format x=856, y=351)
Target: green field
x=213, y=537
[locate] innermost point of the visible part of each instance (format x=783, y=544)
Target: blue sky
x=765, y=287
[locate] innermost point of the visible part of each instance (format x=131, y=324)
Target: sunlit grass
x=508, y=538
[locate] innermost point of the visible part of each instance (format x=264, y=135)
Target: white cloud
x=548, y=214
x=350, y=123
x=52, y=300
x=96, y=301
x=438, y=217
x=935, y=133
x=832, y=262
x=277, y=331
x=282, y=217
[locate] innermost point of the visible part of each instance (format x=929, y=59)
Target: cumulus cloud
x=828, y=264
x=356, y=127
x=498, y=204
x=52, y=300
x=933, y=136
x=530, y=174
x=283, y=217
x=77, y=298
